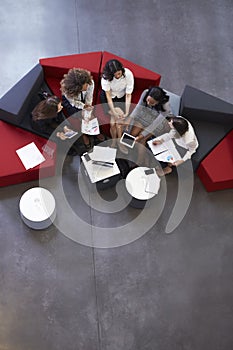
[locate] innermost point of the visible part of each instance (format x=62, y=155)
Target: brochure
x=90, y=127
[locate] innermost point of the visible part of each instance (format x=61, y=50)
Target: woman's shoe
x=88, y=146
x=72, y=152
x=164, y=171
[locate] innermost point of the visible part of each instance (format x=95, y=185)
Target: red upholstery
x=216, y=170
x=55, y=67
x=12, y=170
x=143, y=77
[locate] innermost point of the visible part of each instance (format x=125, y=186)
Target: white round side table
x=141, y=187
x=37, y=208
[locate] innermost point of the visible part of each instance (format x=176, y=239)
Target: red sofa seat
x=216, y=170
x=12, y=170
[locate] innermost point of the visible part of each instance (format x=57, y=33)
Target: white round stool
x=37, y=208
x=141, y=187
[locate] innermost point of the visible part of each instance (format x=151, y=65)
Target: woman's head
x=47, y=108
x=113, y=68
x=177, y=123
x=75, y=81
x=156, y=96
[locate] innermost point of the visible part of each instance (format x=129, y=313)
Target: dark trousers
x=118, y=102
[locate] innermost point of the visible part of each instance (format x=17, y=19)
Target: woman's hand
x=61, y=136
x=178, y=162
x=88, y=107
x=157, y=142
x=66, y=129
x=139, y=138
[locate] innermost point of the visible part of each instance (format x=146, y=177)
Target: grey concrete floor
x=162, y=291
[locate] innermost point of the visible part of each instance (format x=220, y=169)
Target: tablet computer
x=127, y=140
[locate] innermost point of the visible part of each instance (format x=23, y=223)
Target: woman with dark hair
x=148, y=117
x=77, y=88
x=47, y=117
x=183, y=133
x=117, y=86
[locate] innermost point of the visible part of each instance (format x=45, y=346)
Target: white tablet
x=127, y=140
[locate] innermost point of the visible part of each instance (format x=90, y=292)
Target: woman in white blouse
x=183, y=134
x=117, y=86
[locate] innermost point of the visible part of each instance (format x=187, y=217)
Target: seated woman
x=182, y=131
x=117, y=86
x=77, y=87
x=47, y=116
x=149, y=114
x=148, y=117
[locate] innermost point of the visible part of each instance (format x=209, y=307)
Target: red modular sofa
x=211, y=117
x=17, y=104
x=54, y=68
x=12, y=170
x=216, y=170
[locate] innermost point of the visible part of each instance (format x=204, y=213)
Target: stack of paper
x=30, y=156
x=152, y=184
x=103, y=154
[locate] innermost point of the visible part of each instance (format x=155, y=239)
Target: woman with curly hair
x=77, y=88
x=117, y=86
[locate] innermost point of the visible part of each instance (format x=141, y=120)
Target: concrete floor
x=162, y=291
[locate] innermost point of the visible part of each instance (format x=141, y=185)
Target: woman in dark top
x=47, y=117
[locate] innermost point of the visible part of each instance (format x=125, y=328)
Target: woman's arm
x=89, y=94
x=110, y=103
x=127, y=104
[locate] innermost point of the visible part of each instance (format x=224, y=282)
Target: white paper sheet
x=168, y=156
x=165, y=152
x=157, y=148
x=30, y=156
x=90, y=127
x=105, y=154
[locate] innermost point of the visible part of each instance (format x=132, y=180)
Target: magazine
x=90, y=127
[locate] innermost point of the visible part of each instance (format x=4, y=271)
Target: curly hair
x=46, y=109
x=111, y=67
x=72, y=82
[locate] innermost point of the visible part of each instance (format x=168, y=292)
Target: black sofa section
x=16, y=105
x=211, y=117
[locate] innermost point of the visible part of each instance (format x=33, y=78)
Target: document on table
x=157, y=148
x=30, y=156
x=152, y=184
x=90, y=127
x=168, y=156
x=103, y=154
x=165, y=152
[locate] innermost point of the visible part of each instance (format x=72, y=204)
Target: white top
x=87, y=96
x=188, y=140
x=142, y=186
x=119, y=87
x=37, y=204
